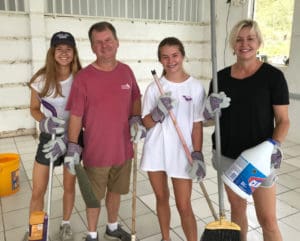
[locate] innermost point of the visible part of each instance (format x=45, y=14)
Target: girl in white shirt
x=163, y=154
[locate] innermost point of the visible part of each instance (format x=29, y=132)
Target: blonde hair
x=49, y=73
x=246, y=23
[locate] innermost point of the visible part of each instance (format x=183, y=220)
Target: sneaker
x=89, y=238
x=118, y=235
x=65, y=232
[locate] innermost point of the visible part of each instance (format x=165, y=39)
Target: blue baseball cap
x=62, y=38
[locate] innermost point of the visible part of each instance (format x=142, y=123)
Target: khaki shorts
x=113, y=179
x=226, y=163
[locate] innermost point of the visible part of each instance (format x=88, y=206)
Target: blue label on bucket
x=15, y=182
x=249, y=179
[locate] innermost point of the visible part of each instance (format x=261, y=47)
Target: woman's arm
x=282, y=122
x=35, y=106
x=197, y=136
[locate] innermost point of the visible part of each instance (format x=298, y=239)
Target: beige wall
x=292, y=75
x=24, y=40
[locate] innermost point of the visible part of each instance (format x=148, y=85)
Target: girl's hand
x=52, y=125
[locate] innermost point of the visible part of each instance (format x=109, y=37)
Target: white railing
x=12, y=5
x=166, y=10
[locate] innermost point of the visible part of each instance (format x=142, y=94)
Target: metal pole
x=217, y=120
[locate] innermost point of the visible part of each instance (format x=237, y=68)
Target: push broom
x=85, y=187
x=222, y=229
x=83, y=181
x=185, y=147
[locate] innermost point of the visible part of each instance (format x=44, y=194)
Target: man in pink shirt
x=105, y=101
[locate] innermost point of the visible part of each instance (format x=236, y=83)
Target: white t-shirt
x=163, y=150
x=58, y=102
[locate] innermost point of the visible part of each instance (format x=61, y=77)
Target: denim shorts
x=226, y=163
x=40, y=155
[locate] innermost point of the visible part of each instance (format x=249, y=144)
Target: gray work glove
x=277, y=155
x=214, y=103
x=137, y=130
x=164, y=104
x=55, y=148
x=72, y=157
x=52, y=125
x=198, y=169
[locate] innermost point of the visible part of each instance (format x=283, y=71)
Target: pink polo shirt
x=104, y=100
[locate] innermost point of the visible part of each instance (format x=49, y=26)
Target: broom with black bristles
x=222, y=229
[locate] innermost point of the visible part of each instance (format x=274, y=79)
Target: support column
x=38, y=34
x=291, y=74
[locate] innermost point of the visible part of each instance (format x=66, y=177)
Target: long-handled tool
x=85, y=187
x=84, y=183
x=220, y=230
x=134, y=180
x=185, y=147
x=50, y=184
x=39, y=222
x=51, y=169
x=39, y=228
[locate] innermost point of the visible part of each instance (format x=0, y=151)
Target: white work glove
x=277, y=155
x=72, y=157
x=55, y=148
x=52, y=125
x=137, y=130
x=164, y=104
x=214, y=103
x=198, y=169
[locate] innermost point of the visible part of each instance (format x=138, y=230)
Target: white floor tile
x=292, y=198
x=254, y=235
x=294, y=161
x=292, y=221
x=14, y=208
x=288, y=232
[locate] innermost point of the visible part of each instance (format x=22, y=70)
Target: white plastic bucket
x=249, y=170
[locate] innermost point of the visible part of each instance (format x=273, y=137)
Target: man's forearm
x=75, y=125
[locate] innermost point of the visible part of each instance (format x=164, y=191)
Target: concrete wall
x=15, y=69
x=292, y=75
x=24, y=40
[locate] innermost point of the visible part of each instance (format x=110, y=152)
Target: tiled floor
x=14, y=208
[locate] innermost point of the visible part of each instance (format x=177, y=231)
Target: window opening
x=275, y=21
x=162, y=10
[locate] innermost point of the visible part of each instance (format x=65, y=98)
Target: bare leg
x=92, y=215
x=40, y=175
x=265, y=206
x=238, y=207
x=183, y=191
x=160, y=187
x=69, y=194
x=112, y=203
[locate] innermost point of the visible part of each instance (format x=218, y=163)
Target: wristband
x=274, y=142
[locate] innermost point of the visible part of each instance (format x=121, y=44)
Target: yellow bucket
x=9, y=173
